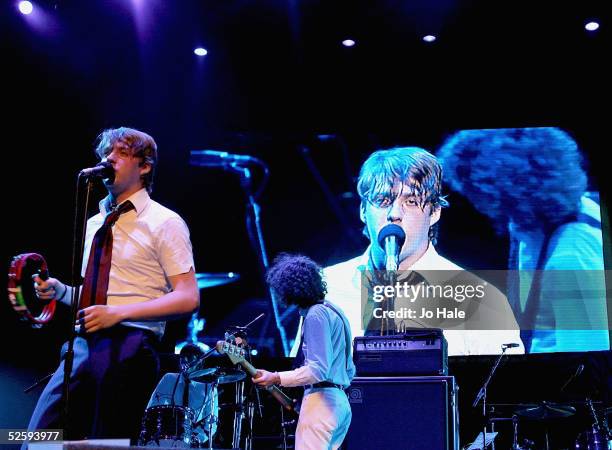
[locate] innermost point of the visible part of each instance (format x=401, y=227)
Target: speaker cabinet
x=407, y=413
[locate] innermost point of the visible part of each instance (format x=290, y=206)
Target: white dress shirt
x=150, y=244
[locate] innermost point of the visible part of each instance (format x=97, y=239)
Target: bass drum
x=593, y=440
x=167, y=426
x=173, y=391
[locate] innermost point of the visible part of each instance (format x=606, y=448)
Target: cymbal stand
x=209, y=401
x=283, y=429
x=515, y=421
x=212, y=419
x=248, y=440
x=240, y=335
x=515, y=444
x=239, y=415
x=482, y=395
x=285, y=424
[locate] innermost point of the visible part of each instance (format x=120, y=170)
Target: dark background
x=276, y=84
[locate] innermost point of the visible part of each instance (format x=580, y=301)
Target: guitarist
x=324, y=363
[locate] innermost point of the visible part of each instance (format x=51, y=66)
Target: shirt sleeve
x=174, y=248
x=318, y=351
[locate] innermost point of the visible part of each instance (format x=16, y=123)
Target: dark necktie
x=95, y=285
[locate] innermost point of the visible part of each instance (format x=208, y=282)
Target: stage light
x=25, y=7
x=591, y=26
x=429, y=38
x=348, y=42
x=254, y=352
x=200, y=51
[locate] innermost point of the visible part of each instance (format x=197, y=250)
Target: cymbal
x=546, y=410
x=214, y=368
x=219, y=375
x=513, y=405
x=206, y=280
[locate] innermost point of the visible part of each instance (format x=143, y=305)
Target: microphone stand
x=77, y=259
x=482, y=395
x=253, y=219
x=391, y=277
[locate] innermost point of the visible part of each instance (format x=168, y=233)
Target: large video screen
x=498, y=241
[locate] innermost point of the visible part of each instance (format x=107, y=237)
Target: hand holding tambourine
x=33, y=303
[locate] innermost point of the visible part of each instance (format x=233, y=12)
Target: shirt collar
x=431, y=260
x=139, y=199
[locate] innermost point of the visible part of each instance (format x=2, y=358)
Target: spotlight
x=25, y=7
x=429, y=38
x=200, y=51
x=591, y=26
x=348, y=42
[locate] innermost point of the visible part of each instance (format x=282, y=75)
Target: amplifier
x=415, y=352
x=403, y=413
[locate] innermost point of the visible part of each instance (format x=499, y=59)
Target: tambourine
x=28, y=263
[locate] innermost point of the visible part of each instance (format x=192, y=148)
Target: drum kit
x=597, y=437
x=183, y=411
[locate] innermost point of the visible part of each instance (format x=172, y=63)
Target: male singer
x=123, y=307
x=324, y=365
x=403, y=186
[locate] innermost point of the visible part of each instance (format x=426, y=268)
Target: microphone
x=510, y=345
x=214, y=158
x=391, y=238
x=103, y=169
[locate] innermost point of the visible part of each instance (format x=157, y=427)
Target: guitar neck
x=279, y=395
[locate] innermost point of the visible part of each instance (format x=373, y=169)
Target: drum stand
x=285, y=424
x=482, y=395
x=248, y=441
x=238, y=414
x=211, y=419
x=243, y=413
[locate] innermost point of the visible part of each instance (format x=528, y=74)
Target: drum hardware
x=238, y=335
x=212, y=368
x=546, y=410
x=167, y=426
x=185, y=417
x=599, y=436
x=285, y=425
x=482, y=394
x=237, y=356
x=210, y=421
x=176, y=426
x=515, y=432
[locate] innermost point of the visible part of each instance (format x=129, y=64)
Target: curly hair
x=297, y=280
x=411, y=165
x=530, y=176
x=140, y=144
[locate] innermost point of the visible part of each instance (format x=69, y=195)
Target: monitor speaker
x=407, y=413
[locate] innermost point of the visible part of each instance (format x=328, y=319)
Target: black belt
x=324, y=384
